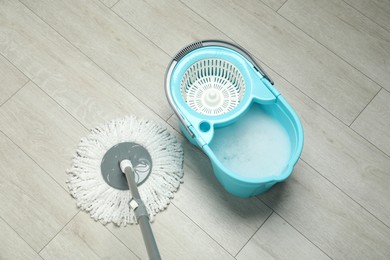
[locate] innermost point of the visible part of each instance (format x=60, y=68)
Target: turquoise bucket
x=227, y=105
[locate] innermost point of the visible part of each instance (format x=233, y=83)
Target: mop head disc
x=107, y=204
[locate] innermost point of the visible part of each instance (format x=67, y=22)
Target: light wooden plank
x=319, y=73
x=11, y=80
x=377, y=10
x=328, y=218
x=169, y=24
x=276, y=239
x=69, y=77
x=177, y=237
x=274, y=4
x=229, y=220
x=13, y=246
x=83, y=238
x=31, y=202
x=346, y=32
x=47, y=133
x=342, y=156
x=112, y=44
x=91, y=96
x=374, y=122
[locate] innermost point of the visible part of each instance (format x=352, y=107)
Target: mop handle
x=140, y=212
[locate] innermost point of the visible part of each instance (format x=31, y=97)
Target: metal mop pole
x=140, y=212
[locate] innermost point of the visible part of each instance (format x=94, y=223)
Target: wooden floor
x=67, y=66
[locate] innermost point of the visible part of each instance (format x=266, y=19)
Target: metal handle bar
x=140, y=212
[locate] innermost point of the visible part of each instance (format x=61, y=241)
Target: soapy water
x=255, y=146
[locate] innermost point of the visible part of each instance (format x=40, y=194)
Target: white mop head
x=107, y=204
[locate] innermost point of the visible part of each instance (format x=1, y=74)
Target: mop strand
x=108, y=204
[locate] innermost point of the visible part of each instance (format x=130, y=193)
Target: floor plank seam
x=105, y=72
x=78, y=211
x=32, y=159
x=114, y=5
x=383, y=152
x=272, y=212
x=346, y=194
x=366, y=16
x=169, y=118
x=112, y=233
x=196, y=224
x=303, y=235
x=63, y=108
x=323, y=45
x=204, y=19
x=350, y=125
x=16, y=67
x=16, y=92
x=141, y=33
x=281, y=6
x=5, y=221
x=311, y=242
